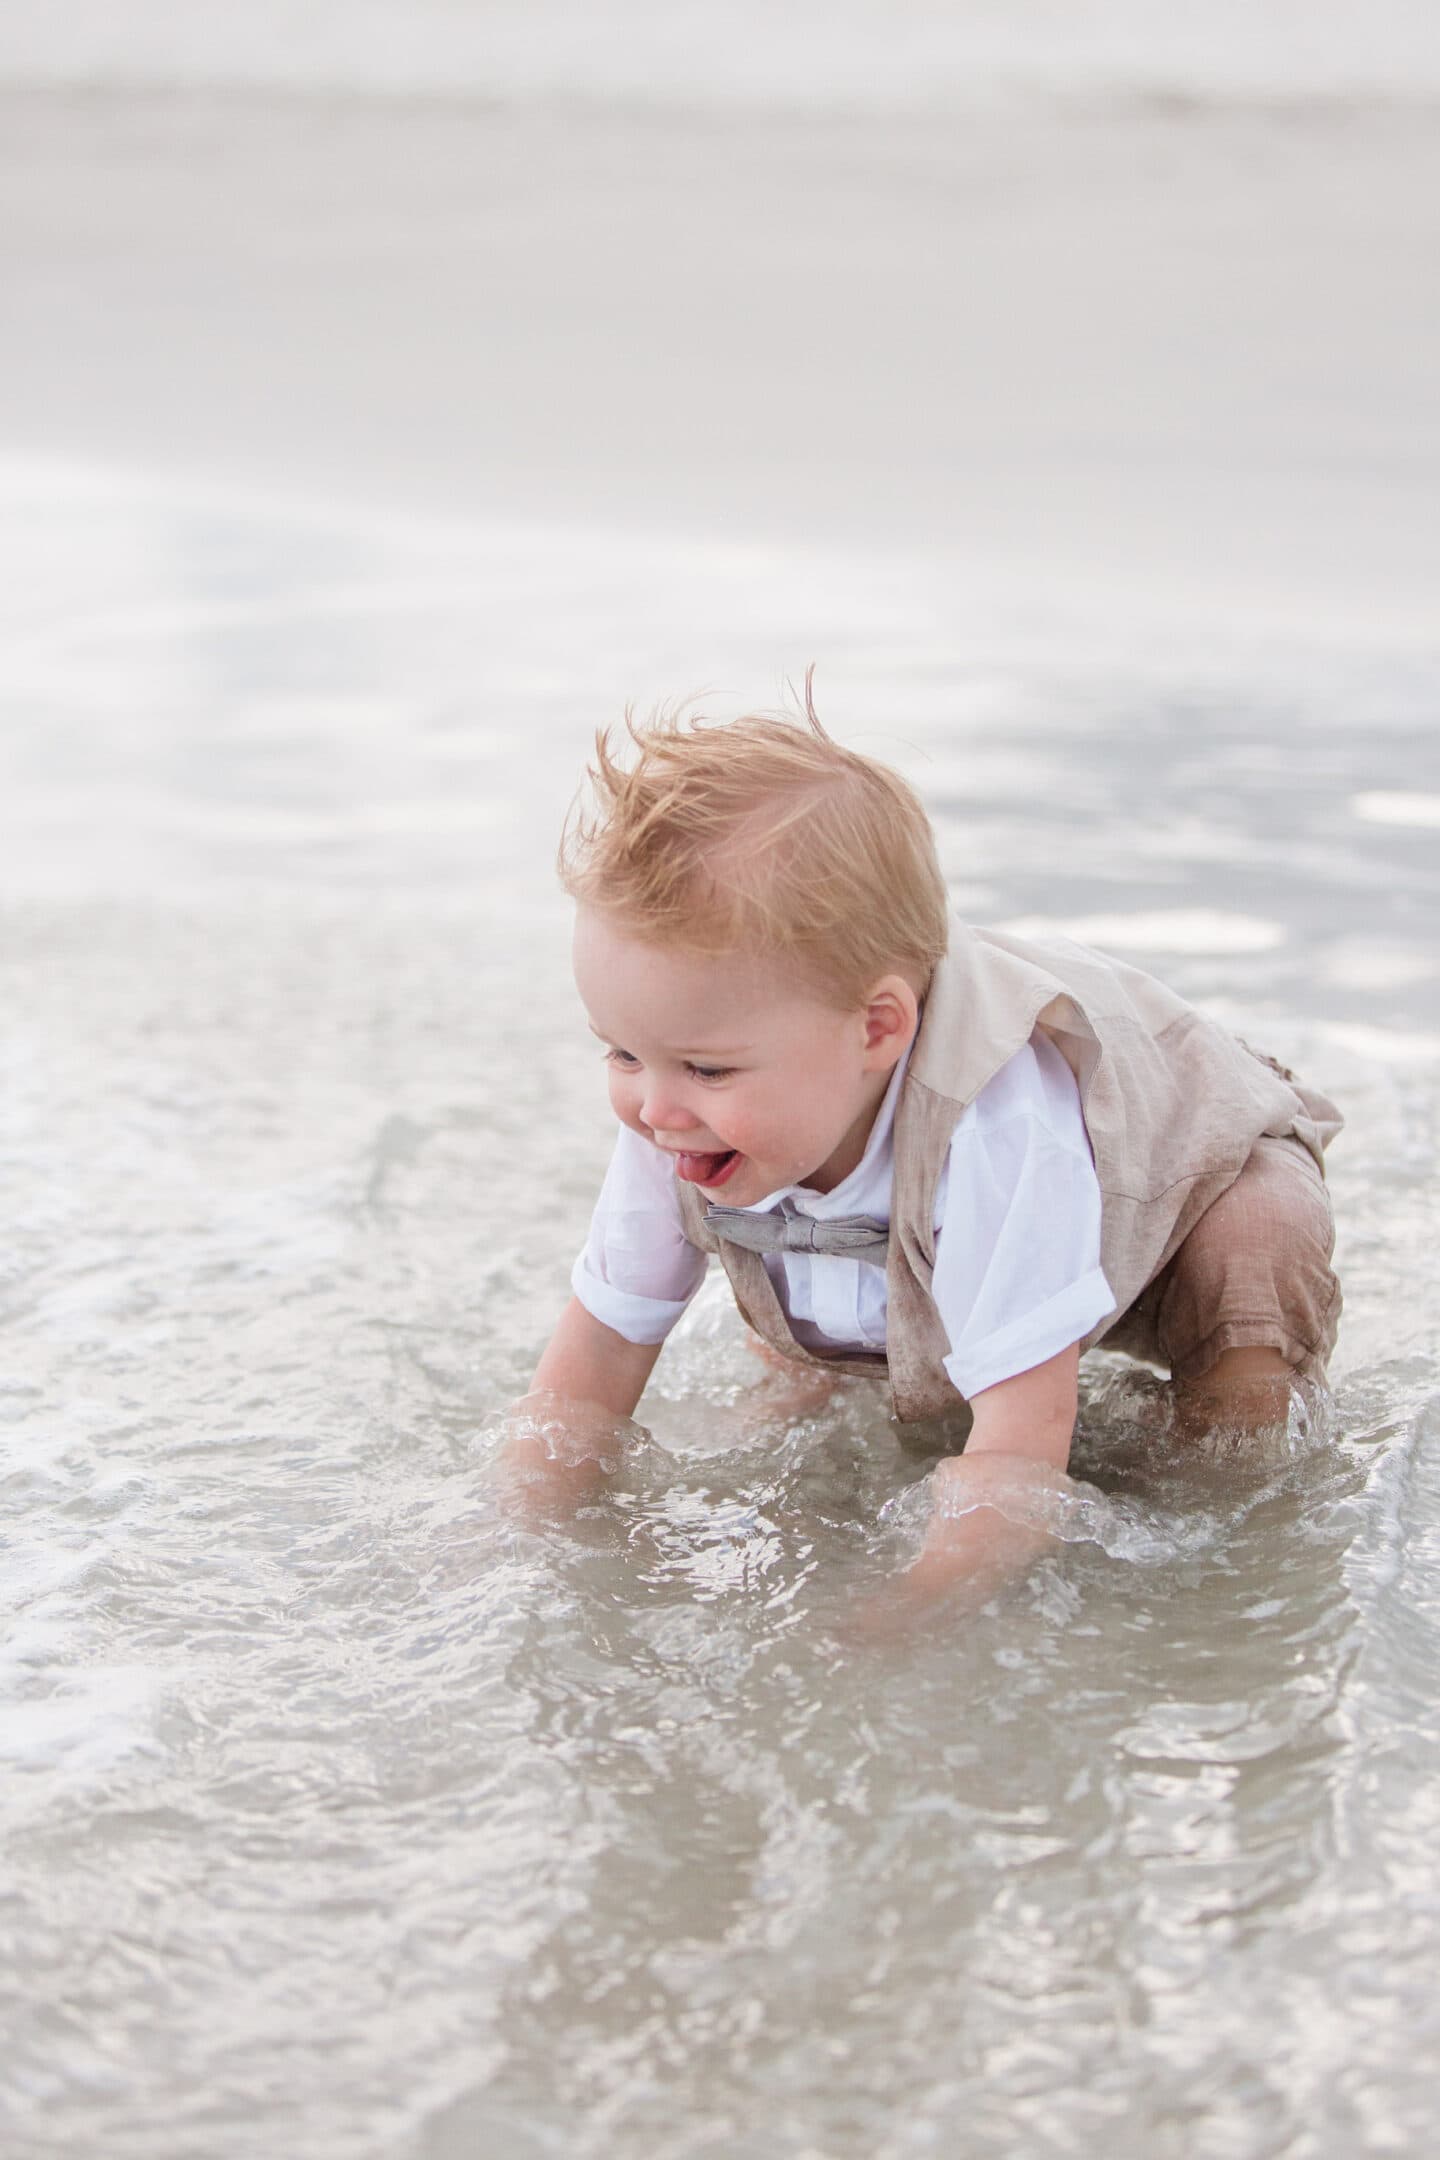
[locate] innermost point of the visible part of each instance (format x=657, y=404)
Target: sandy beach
x=1153, y=359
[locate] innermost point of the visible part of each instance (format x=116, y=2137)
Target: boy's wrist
x=988, y=1518
x=560, y=1429
x=557, y=1452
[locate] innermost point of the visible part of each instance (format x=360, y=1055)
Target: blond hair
x=761, y=835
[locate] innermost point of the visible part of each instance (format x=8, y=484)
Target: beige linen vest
x=1173, y=1104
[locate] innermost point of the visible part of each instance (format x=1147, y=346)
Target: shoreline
x=1176, y=366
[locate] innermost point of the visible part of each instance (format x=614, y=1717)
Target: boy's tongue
x=702, y=1169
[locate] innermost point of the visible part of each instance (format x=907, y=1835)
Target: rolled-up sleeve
x=1017, y=1271
x=638, y=1270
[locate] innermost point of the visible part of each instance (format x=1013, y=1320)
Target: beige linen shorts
x=1255, y=1270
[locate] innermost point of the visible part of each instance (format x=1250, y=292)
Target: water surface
x=341, y=1814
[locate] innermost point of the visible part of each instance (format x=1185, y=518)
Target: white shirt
x=1017, y=1270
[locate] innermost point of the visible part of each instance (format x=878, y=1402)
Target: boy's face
x=739, y=1073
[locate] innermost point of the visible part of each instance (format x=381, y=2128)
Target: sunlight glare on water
x=345, y=1810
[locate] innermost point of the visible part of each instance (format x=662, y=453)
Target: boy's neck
x=848, y=1157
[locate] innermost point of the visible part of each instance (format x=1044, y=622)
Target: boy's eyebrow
x=695, y=1050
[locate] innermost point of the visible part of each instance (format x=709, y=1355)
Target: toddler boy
x=918, y=1148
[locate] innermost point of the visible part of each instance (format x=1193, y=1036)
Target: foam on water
x=1169, y=930
x=1399, y=809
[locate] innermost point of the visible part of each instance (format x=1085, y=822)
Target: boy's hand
x=988, y=1506
x=987, y=1528
x=566, y=1435
x=556, y=1454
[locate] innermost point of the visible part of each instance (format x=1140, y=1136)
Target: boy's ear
x=892, y=1012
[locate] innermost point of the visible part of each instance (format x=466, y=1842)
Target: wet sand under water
x=342, y=1816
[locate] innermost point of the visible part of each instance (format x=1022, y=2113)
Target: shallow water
x=342, y=1814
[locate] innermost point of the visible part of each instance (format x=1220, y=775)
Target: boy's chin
x=748, y=1183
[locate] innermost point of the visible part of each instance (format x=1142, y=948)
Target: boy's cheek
x=623, y=1109
x=627, y=1111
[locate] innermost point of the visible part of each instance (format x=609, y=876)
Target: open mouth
x=706, y=1169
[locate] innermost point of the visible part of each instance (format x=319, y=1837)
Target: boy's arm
x=1021, y=1438
x=587, y=1362
x=1032, y=1414
x=589, y=1379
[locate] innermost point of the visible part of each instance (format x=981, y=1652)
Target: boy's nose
x=663, y=1112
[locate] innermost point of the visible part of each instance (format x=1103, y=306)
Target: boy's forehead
x=673, y=989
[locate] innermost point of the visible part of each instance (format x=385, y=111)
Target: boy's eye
x=628, y=1062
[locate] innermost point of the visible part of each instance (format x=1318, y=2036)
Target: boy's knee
x=1246, y=1389
x=1251, y=1291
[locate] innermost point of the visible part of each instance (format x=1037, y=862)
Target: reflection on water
x=344, y=1814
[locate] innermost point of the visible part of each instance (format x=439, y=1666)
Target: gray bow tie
x=852, y=1237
